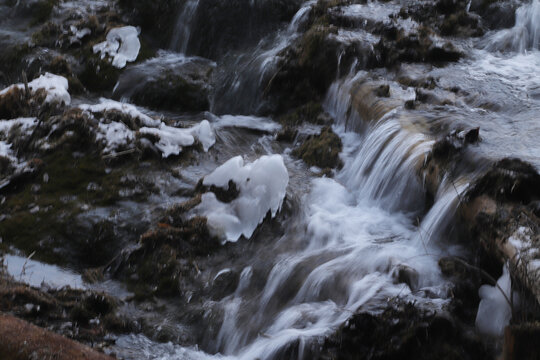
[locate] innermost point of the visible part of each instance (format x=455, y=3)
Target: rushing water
x=182, y=30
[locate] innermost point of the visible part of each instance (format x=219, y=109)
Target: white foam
x=122, y=45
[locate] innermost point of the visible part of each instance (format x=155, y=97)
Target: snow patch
x=128, y=109
x=55, y=86
x=262, y=187
x=122, y=45
x=494, y=311
x=172, y=140
x=115, y=135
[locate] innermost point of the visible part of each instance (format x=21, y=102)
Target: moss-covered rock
x=305, y=71
x=321, y=150
x=173, y=92
x=311, y=112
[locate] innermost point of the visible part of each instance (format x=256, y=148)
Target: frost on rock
x=128, y=109
x=24, y=125
x=172, y=140
x=115, y=135
x=262, y=187
x=56, y=87
x=494, y=311
x=122, y=45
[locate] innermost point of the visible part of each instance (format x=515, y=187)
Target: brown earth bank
x=20, y=340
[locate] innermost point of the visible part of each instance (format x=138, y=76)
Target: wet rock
x=449, y=17
x=287, y=134
x=383, y=91
x=498, y=212
x=225, y=195
x=406, y=275
x=414, y=47
x=521, y=342
x=224, y=284
x=305, y=71
x=311, y=112
x=145, y=13
x=168, y=83
x=509, y=180
x=219, y=27
x=402, y=332
x=496, y=14
x=321, y=150
x=446, y=154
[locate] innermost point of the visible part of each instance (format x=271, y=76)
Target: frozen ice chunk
x=172, y=140
x=494, y=311
x=262, y=187
x=56, y=87
x=204, y=133
x=122, y=45
x=128, y=109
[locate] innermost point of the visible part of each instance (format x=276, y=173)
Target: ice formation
x=172, y=140
x=128, y=109
x=494, y=311
x=247, y=122
x=122, y=45
x=56, y=87
x=262, y=186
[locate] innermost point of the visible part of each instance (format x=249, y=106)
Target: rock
x=224, y=284
x=287, y=134
x=407, y=275
x=167, y=82
x=321, y=150
x=402, y=332
x=383, y=91
x=305, y=71
x=509, y=180
x=311, y=112
x=521, y=342
x=219, y=27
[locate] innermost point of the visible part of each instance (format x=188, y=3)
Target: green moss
x=54, y=230
x=309, y=112
x=321, y=150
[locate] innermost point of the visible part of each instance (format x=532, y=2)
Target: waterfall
x=525, y=35
x=357, y=238
x=182, y=29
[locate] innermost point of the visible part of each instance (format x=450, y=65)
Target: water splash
x=525, y=35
